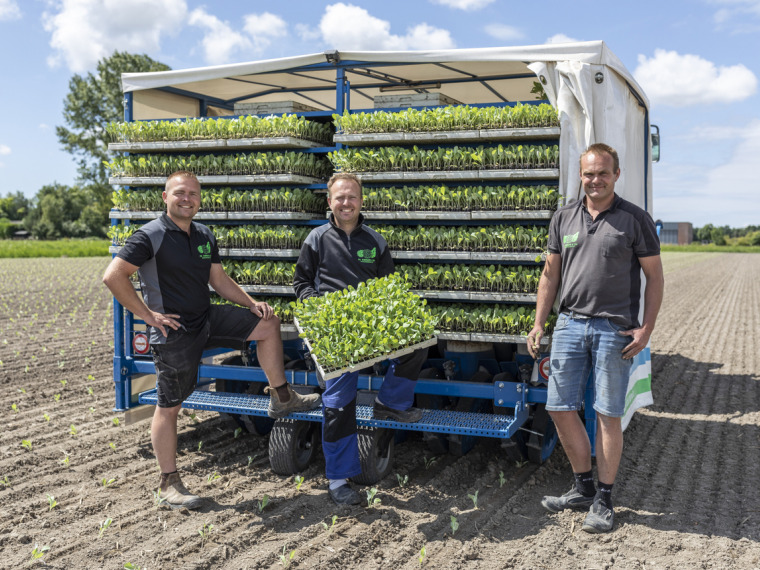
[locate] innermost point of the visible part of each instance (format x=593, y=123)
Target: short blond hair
x=601, y=148
x=344, y=176
x=181, y=174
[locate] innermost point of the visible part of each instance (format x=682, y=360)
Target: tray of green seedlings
x=352, y=329
x=286, y=131
x=451, y=124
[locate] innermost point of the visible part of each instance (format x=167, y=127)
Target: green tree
x=63, y=211
x=717, y=237
x=705, y=232
x=14, y=206
x=93, y=101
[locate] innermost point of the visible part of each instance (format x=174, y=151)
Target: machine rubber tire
x=256, y=425
x=376, y=447
x=540, y=447
x=292, y=445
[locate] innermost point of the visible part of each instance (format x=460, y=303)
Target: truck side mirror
x=655, y=143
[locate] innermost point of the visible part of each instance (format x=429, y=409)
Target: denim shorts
x=177, y=360
x=583, y=346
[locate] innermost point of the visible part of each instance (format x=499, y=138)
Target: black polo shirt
x=601, y=273
x=174, y=269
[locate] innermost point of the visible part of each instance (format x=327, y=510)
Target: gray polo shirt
x=601, y=274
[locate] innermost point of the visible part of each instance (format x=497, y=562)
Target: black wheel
x=292, y=445
x=543, y=436
x=256, y=425
x=375, y=454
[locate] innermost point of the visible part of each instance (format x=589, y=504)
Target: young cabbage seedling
x=429, y=462
x=502, y=479
x=421, y=558
x=329, y=528
x=115, y=421
x=372, y=501
x=200, y=444
x=263, y=503
x=130, y=566
x=46, y=416
x=474, y=499
x=51, y=501
x=104, y=526
x=14, y=407
x=56, y=397
x=213, y=477
x=5, y=481
x=454, y=525
x=112, y=445
x=73, y=430
x=402, y=481
x=158, y=500
x=238, y=431
x=299, y=481
x=39, y=552
x=107, y=482
x=26, y=444
x=205, y=530
x=286, y=559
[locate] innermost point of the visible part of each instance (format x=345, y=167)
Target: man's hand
x=534, y=340
x=639, y=342
x=160, y=321
x=262, y=310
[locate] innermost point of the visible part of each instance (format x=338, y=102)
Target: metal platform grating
x=435, y=421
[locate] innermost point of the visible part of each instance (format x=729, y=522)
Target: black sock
x=605, y=493
x=584, y=483
x=282, y=393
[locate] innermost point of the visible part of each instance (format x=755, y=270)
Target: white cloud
x=9, y=10
x=561, y=39
x=349, y=27
x=43, y=126
x=222, y=44
x=670, y=78
x=721, y=195
x=5, y=149
x=504, y=32
x=85, y=31
x=737, y=15
x=464, y=4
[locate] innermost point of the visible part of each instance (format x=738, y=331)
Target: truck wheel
x=543, y=436
x=292, y=445
x=375, y=454
x=256, y=425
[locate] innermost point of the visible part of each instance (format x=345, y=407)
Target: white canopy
x=597, y=98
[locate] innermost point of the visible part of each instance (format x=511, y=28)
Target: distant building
x=676, y=233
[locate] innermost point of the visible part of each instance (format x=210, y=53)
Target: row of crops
x=228, y=200
x=411, y=120
x=495, y=238
x=405, y=198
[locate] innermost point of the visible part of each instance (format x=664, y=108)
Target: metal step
x=435, y=421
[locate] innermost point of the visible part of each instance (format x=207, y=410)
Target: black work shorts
x=177, y=360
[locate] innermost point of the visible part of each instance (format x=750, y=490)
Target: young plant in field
x=454, y=525
x=502, y=479
x=56, y=397
x=422, y=555
x=104, y=526
x=250, y=460
x=64, y=382
x=372, y=501
x=65, y=459
x=131, y=566
x=26, y=444
x=329, y=528
x=205, y=531
x=200, y=444
x=46, y=416
x=73, y=430
x=285, y=558
x=52, y=503
x=107, y=482
x=115, y=422
x=299, y=481
x=238, y=431
x=262, y=504
x=429, y=461
x=5, y=482
x=38, y=552
x=158, y=500
x=14, y=407
x=213, y=477
x=402, y=481
x=90, y=391
x=474, y=499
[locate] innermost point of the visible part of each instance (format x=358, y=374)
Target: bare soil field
x=79, y=482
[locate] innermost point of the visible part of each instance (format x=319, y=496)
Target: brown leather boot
x=175, y=494
x=296, y=403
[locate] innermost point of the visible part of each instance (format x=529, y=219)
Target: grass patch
x=711, y=248
x=54, y=248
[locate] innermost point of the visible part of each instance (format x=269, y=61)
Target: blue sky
x=697, y=61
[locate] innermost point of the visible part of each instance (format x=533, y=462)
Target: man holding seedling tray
x=598, y=247
x=342, y=253
x=177, y=259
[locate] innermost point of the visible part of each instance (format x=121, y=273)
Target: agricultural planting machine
x=464, y=155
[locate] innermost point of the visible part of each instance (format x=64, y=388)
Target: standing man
x=598, y=247
x=177, y=260
x=340, y=253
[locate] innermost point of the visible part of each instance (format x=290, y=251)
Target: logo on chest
x=367, y=255
x=204, y=251
x=570, y=240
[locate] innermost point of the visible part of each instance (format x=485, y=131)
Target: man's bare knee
x=266, y=329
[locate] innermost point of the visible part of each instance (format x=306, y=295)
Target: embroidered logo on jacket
x=367, y=255
x=205, y=250
x=571, y=240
